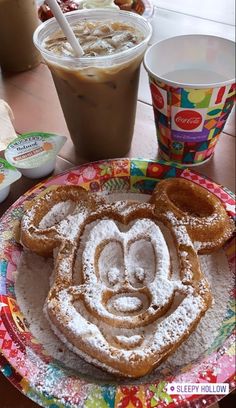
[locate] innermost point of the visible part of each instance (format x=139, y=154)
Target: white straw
x=66, y=28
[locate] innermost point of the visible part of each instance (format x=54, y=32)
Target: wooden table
x=34, y=101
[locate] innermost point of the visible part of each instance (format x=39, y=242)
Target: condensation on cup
x=98, y=91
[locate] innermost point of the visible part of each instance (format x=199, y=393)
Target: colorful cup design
x=189, y=118
x=189, y=121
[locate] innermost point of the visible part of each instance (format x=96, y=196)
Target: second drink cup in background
x=98, y=91
x=18, y=21
x=192, y=82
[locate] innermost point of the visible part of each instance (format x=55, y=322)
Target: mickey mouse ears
x=61, y=212
x=57, y=215
x=179, y=201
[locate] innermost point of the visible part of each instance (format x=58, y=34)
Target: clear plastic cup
x=98, y=94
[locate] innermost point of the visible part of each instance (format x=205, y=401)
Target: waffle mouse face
x=116, y=309
x=126, y=274
x=127, y=287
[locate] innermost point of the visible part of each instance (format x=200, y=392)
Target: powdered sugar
x=32, y=285
x=182, y=236
x=113, y=274
x=188, y=220
x=131, y=341
x=140, y=273
x=58, y=212
x=216, y=269
x=126, y=303
x=162, y=336
x=70, y=227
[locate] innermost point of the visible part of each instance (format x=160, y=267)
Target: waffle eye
x=141, y=263
x=110, y=264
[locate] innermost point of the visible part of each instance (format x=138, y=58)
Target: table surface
x=34, y=101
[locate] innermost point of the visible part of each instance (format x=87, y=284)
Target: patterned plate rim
x=136, y=175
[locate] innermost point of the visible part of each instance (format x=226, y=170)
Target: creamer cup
x=34, y=154
x=8, y=175
x=7, y=130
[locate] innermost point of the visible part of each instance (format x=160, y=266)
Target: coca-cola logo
x=157, y=97
x=188, y=119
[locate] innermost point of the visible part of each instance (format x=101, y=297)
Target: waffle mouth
x=129, y=304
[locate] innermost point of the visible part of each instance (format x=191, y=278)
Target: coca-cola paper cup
x=192, y=82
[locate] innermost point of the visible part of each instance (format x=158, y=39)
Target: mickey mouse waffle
x=127, y=288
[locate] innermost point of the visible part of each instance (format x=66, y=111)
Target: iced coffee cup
x=98, y=91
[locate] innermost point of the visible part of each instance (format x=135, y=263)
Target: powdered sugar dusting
x=58, y=212
x=32, y=285
x=216, y=269
x=113, y=274
x=34, y=272
x=131, y=341
x=127, y=304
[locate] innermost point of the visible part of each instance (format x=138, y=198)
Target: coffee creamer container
x=18, y=20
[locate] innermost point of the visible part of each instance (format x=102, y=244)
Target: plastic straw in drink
x=65, y=27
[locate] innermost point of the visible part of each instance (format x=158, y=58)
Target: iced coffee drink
x=18, y=21
x=98, y=91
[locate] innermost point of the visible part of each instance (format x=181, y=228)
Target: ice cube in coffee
x=98, y=91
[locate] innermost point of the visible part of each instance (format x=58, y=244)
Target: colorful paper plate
x=23, y=360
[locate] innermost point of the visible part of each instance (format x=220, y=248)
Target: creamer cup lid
x=31, y=150
x=8, y=174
